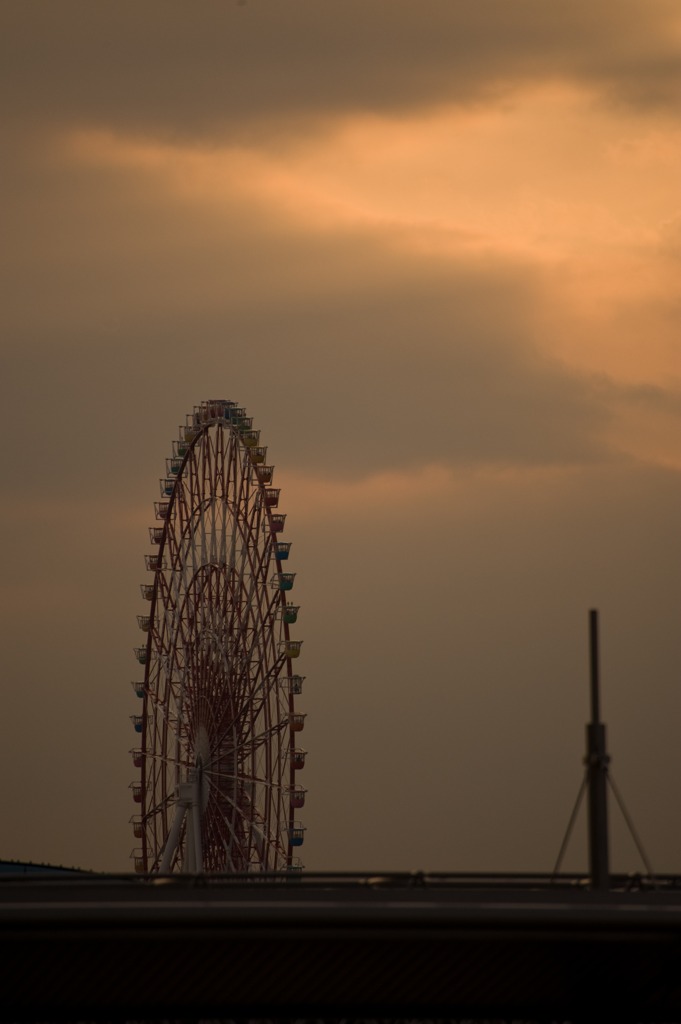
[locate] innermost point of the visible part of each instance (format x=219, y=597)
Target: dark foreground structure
x=520, y=947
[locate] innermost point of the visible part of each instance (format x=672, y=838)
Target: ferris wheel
x=218, y=728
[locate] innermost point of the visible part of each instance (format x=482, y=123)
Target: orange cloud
x=311, y=499
x=547, y=173
x=585, y=195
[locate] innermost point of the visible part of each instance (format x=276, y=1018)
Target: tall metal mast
x=597, y=761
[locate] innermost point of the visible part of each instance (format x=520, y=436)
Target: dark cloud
x=444, y=378
x=366, y=355
x=402, y=364
x=168, y=68
x=648, y=398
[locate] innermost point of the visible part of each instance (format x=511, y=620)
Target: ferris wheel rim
x=262, y=808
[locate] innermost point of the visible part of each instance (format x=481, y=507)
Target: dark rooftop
x=529, y=947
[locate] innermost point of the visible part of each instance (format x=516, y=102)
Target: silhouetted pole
x=597, y=762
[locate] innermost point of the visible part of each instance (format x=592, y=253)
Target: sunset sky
x=434, y=247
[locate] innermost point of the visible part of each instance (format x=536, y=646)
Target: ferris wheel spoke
x=260, y=782
x=155, y=809
x=162, y=722
x=256, y=739
x=230, y=827
x=254, y=823
x=251, y=745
